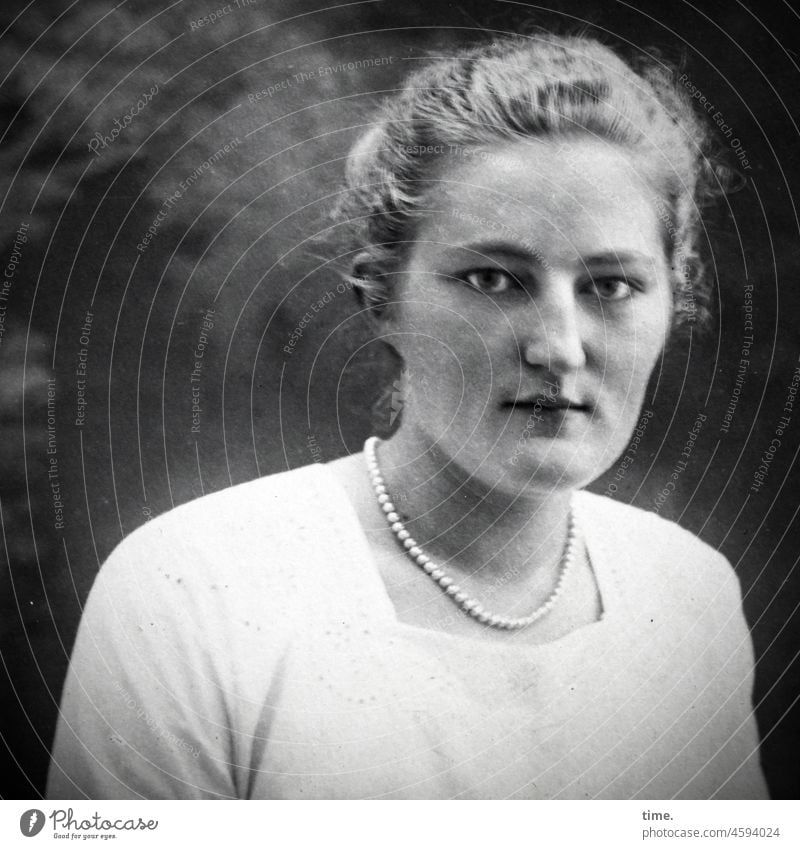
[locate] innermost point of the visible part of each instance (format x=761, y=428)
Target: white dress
x=244, y=646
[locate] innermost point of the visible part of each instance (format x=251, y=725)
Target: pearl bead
x=467, y=604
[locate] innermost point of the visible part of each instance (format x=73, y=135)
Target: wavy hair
x=515, y=88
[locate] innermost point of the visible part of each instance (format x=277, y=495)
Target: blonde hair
x=518, y=87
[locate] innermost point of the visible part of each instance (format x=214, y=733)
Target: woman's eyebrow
x=520, y=251
x=515, y=249
x=618, y=258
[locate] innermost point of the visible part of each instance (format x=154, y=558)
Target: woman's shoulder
x=649, y=539
x=240, y=536
x=603, y=511
x=264, y=505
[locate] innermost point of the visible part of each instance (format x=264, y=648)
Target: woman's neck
x=467, y=521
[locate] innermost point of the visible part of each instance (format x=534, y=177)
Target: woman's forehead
x=586, y=195
x=557, y=169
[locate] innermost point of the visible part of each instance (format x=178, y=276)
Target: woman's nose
x=552, y=336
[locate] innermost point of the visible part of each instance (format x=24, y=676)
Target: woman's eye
x=612, y=288
x=491, y=281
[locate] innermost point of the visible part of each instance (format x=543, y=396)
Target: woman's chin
x=552, y=467
x=514, y=466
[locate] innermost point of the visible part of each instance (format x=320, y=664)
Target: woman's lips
x=547, y=406
x=548, y=419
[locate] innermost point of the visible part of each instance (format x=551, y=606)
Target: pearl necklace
x=459, y=597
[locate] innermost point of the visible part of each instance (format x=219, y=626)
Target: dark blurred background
x=100, y=332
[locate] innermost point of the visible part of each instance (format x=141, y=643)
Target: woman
x=450, y=615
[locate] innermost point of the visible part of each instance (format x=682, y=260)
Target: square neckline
x=370, y=575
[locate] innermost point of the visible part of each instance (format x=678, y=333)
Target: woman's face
x=531, y=310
